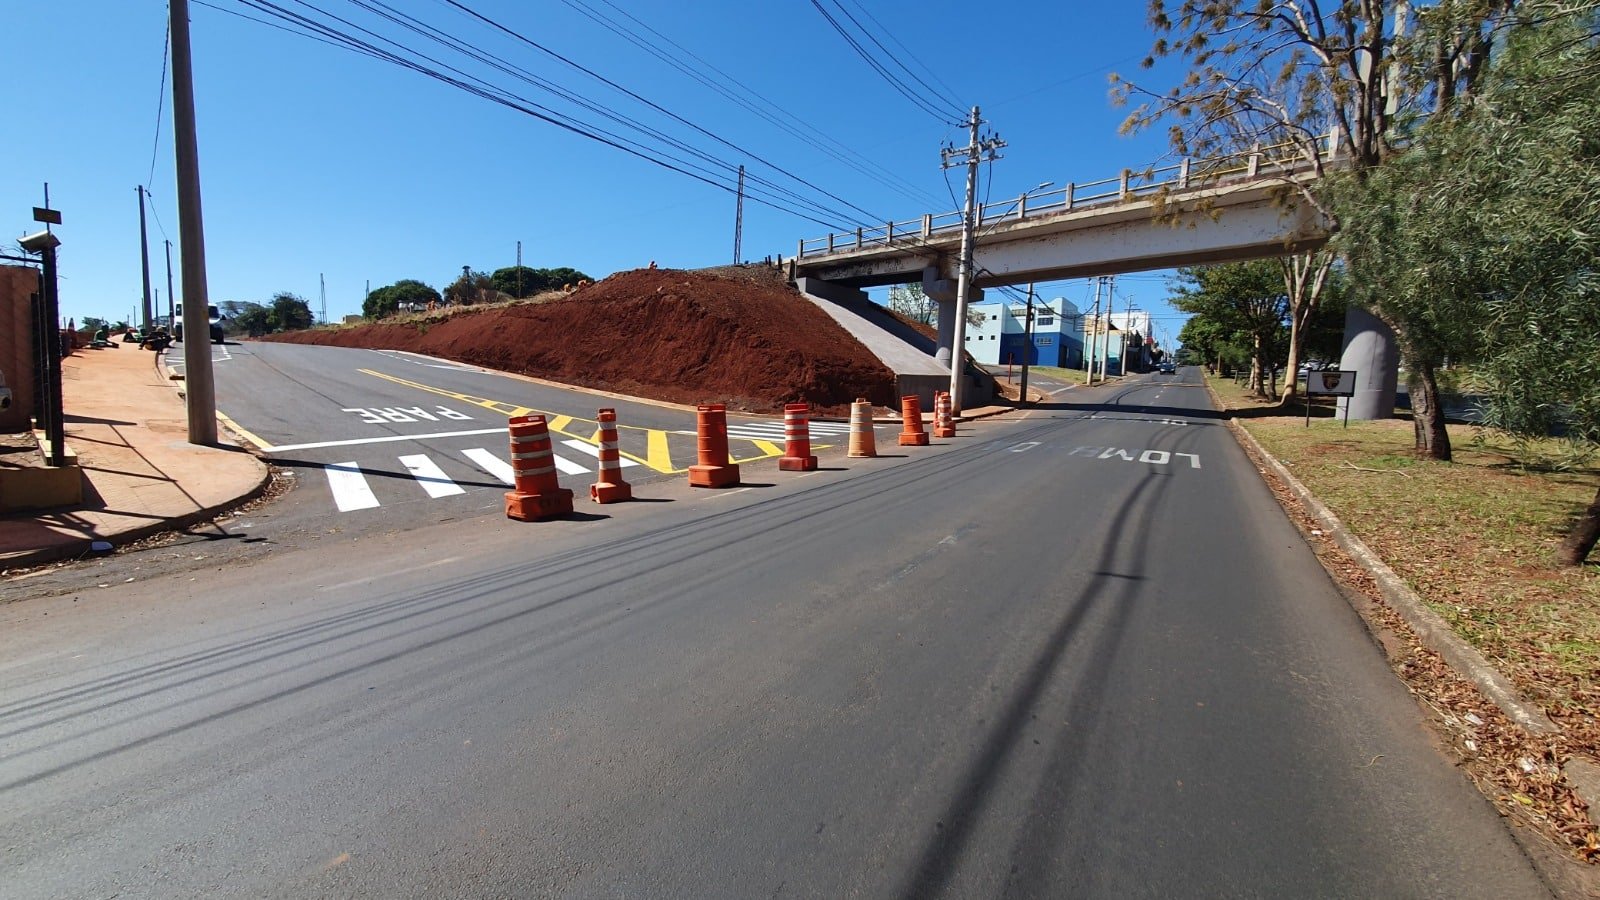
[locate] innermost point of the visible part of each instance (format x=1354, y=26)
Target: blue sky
x=316, y=160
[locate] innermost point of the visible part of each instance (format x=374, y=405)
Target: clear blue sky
x=318, y=160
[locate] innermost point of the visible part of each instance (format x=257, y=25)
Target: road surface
x=1079, y=652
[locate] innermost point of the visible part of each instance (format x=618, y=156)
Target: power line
x=933, y=92
x=752, y=101
x=438, y=36
x=653, y=105
x=922, y=103
x=161, y=99
x=307, y=27
x=950, y=96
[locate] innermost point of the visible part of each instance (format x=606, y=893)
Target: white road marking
x=430, y=476
x=1023, y=447
x=349, y=486
x=391, y=573
x=567, y=466
x=492, y=464
x=592, y=450
x=383, y=440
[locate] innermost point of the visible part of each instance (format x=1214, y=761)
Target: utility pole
x=199, y=390
x=1027, y=346
x=172, y=302
x=1111, y=316
x=738, y=219
x=322, y=287
x=144, y=261
x=1094, y=332
x=977, y=150
x=519, y=270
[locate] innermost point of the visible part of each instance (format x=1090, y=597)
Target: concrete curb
x=1434, y=632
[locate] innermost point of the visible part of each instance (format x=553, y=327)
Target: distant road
x=1077, y=652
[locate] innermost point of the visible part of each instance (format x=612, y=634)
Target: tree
x=472, y=287
x=533, y=281
x=92, y=324
x=1247, y=304
x=289, y=312
x=1487, y=230
x=912, y=303
x=253, y=319
x=1281, y=73
x=407, y=293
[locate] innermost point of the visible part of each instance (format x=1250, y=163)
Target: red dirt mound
x=683, y=337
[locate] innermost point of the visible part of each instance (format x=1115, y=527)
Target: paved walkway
x=126, y=423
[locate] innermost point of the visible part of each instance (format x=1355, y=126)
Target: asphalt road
x=1077, y=653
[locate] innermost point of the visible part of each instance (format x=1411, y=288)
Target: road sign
x=1332, y=383
x=47, y=216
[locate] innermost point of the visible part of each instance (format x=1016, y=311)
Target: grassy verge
x=1056, y=373
x=1474, y=537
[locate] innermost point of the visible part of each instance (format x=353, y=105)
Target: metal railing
x=1189, y=174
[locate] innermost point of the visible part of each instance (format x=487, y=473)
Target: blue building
x=1001, y=337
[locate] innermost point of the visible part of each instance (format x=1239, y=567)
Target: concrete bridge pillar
x=1371, y=350
x=943, y=291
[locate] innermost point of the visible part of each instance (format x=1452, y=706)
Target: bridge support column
x=943, y=292
x=1371, y=350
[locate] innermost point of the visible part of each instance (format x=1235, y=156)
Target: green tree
x=289, y=312
x=253, y=319
x=1487, y=233
x=1247, y=303
x=1280, y=73
x=533, y=281
x=472, y=287
x=407, y=293
x=912, y=303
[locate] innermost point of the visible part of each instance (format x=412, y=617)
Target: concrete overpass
x=1242, y=206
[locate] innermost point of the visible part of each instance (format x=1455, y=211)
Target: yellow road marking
x=241, y=432
x=658, y=459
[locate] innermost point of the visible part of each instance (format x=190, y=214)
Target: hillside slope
x=684, y=337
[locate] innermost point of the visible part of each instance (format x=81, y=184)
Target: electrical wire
x=307, y=27
x=416, y=26
x=657, y=107
x=932, y=92
x=950, y=96
x=922, y=103
x=751, y=100
x=161, y=99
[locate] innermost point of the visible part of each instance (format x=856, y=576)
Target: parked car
x=1167, y=368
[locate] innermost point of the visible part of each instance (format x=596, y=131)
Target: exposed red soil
x=683, y=337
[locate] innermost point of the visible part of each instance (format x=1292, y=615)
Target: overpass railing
x=1250, y=165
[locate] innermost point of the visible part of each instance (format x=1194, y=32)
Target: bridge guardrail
x=1189, y=173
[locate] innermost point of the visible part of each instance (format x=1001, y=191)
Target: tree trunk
x=1580, y=540
x=1427, y=416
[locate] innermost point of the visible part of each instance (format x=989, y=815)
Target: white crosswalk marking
x=567, y=466
x=490, y=463
x=430, y=476
x=592, y=450
x=349, y=486
x=773, y=431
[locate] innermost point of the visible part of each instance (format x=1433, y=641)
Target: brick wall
x=17, y=285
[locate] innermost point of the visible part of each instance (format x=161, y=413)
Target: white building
x=1000, y=338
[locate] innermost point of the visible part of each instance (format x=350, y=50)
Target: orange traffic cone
x=713, y=470
x=944, y=420
x=911, y=431
x=538, y=494
x=609, y=486
x=863, y=440
x=797, y=439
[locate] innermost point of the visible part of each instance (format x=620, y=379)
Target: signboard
x=47, y=216
x=1331, y=382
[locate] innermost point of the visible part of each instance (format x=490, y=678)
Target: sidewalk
x=127, y=425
